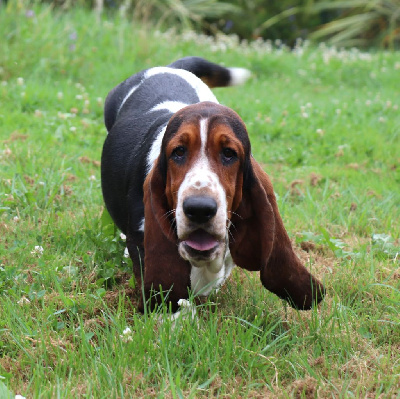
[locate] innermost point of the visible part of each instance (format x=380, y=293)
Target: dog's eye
x=228, y=155
x=178, y=153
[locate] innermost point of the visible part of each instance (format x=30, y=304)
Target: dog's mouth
x=201, y=241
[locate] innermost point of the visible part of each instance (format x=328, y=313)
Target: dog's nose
x=200, y=209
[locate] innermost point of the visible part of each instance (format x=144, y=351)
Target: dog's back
x=136, y=114
x=213, y=75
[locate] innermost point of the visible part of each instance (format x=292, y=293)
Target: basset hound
x=179, y=180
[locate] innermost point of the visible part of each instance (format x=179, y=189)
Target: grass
x=324, y=123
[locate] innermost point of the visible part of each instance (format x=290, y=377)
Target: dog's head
x=206, y=193
x=202, y=162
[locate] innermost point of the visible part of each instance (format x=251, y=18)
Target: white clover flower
x=60, y=95
x=72, y=129
x=187, y=311
x=184, y=303
x=20, y=81
x=79, y=97
x=320, y=132
x=38, y=251
x=23, y=301
x=127, y=331
x=92, y=178
x=19, y=397
x=126, y=335
x=122, y=236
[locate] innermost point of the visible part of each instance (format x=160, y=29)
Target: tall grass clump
x=360, y=23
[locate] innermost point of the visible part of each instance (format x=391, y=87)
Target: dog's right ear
x=164, y=268
x=259, y=242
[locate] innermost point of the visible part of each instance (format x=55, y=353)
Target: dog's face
x=204, y=160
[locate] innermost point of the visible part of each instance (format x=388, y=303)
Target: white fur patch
x=141, y=226
x=155, y=149
x=171, y=106
x=203, y=280
x=203, y=137
x=203, y=91
x=131, y=91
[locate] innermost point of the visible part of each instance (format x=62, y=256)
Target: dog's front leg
x=134, y=243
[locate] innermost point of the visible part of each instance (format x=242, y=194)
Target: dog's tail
x=213, y=75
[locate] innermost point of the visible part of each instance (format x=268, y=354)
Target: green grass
x=326, y=127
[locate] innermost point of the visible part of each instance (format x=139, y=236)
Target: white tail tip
x=238, y=76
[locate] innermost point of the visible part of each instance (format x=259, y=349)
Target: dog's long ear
x=259, y=242
x=164, y=269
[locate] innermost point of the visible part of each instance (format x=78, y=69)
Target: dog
x=179, y=181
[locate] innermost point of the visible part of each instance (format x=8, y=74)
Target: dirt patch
x=16, y=136
x=307, y=246
x=315, y=179
x=353, y=207
x=295, y=187
x=122, y=288
x=89, y=161
x=306, y=388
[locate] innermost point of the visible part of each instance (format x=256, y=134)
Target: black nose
x=199, y=209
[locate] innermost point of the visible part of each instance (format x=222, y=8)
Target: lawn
x=325, y=125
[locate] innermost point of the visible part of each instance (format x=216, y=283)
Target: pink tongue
x=201, y=241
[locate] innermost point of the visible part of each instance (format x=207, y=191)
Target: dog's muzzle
x=200, y=243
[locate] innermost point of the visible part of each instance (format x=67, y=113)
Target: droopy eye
x=178, y=153
x=228, y=155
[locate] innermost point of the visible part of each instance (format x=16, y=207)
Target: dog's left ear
x=259, y=242
x=164, y=269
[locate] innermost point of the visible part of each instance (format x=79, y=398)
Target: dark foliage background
x=374, y=23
